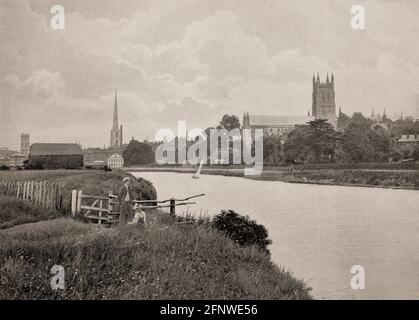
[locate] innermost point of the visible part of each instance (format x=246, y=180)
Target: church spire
x=115, y=113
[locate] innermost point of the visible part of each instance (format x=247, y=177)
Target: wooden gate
x=106, y=210
x=95, y=208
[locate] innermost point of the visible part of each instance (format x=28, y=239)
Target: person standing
x=126, y=196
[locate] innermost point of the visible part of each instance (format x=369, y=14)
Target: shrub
x=242, y=230
x=4, y=167
x=34, y=165
x=145, y=189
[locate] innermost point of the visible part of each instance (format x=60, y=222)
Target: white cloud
x=174, y=60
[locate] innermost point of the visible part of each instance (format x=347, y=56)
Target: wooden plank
x=74, y=202
x=93, y=209
x=79, y=198
x=43, y=185
x=85, y=196
x=24, y=191
x=100, y=212
x=93, y=205
x=97, y=218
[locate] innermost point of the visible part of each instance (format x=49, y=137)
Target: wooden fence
x=107, y=209
x=46, y=194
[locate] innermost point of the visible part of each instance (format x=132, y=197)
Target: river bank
x=166, y=260
x=374, y=178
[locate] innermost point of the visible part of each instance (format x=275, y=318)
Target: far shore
x=407, y=179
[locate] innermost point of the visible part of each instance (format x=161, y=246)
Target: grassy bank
x=394, y=178
x=14, y=212
x=167, y=260
x=364, y=178
x=164, y=261
x=220, y=171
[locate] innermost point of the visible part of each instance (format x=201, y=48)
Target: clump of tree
x=361, y=143
x=359, y=139
x=229, y=122
x=145, y=190
x=242, y=229
x=138, y=153
x=315, y=142
x=272, y=150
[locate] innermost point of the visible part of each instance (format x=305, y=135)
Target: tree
x=380, y=139
x=242, y=229
x=315, y=142
x=229, y=122
x=138, y=153
x=296, y=147
x=415, y=153
x=343, y=121
x=272, y=146
x=363, y=144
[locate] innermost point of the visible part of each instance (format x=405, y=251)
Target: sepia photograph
x=209, y=150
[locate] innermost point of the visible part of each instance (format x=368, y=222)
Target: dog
x=138, y=213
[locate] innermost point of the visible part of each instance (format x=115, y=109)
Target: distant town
x=395, y=138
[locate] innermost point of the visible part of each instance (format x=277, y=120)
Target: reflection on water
x=320, y=232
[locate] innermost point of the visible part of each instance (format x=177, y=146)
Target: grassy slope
x=165, y=261
x=168, y=260
x=14, y=212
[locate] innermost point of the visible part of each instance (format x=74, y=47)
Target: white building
x=115, y=161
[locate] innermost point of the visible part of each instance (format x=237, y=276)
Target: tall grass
x=163, y=261
x=14, y=212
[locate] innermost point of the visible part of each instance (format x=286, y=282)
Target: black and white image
x=209, y=149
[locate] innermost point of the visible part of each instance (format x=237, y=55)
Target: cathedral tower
x=324, y=105
x=116, y=132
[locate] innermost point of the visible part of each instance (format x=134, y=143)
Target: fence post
x=100, y=212
x=172, y=207
x=18, y=190
x=73, y=202
x=78, y=210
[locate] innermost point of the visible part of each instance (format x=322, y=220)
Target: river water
x=319, y=232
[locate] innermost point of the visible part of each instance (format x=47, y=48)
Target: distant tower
x=25, y=144
x=116, y=132
x=324, y=105
x=246, y=121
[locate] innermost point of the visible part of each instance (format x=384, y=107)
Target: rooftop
x=261, y=120
x=43, y=149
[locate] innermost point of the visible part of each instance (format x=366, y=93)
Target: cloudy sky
x=195, y=60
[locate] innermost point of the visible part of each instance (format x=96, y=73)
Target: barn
x=55, y=156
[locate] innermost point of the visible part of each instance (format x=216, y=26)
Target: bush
x=35, y=165
x=4, y=167
x=145, y=189
x=138, y=153
x=242, y=230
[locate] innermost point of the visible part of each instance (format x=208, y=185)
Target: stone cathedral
x=323, y=107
